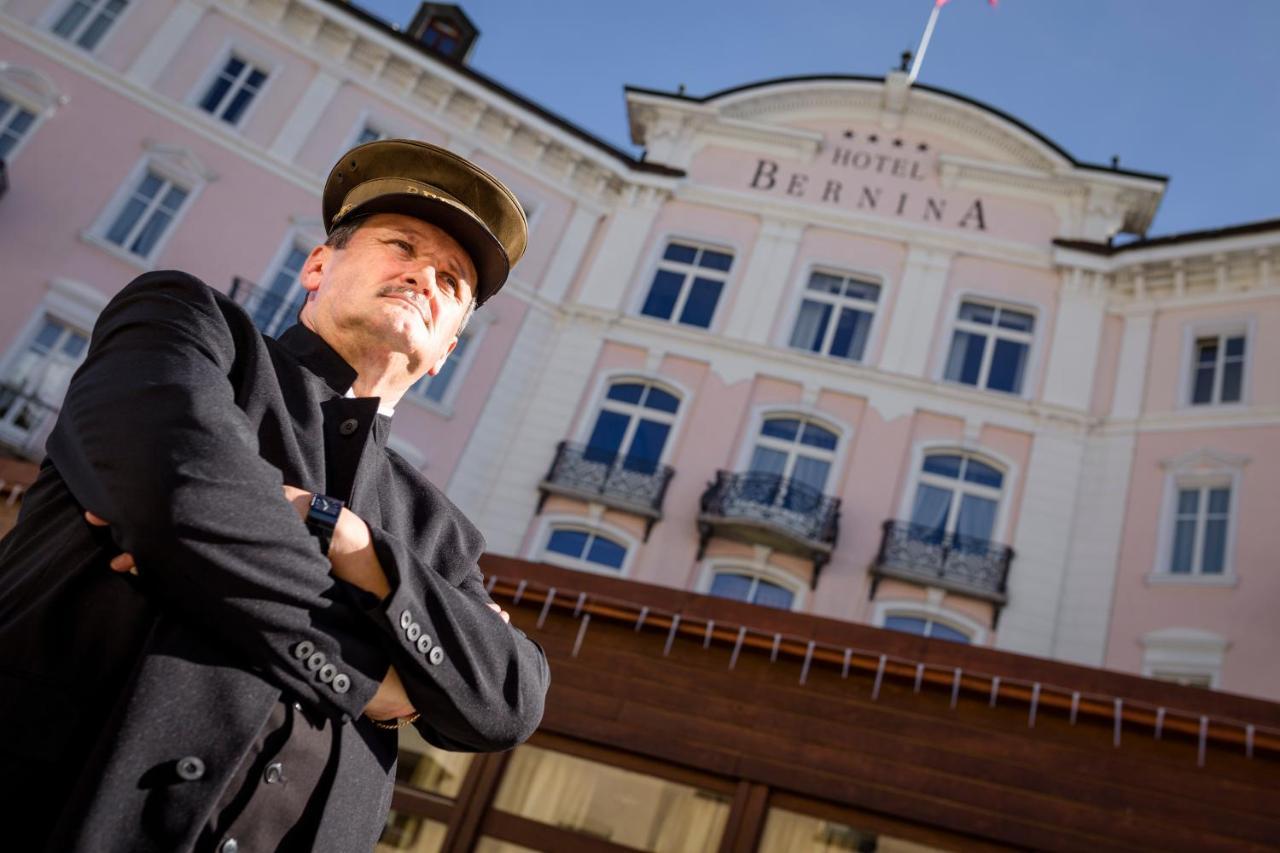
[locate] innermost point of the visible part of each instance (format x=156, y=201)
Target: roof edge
x=1106, y=250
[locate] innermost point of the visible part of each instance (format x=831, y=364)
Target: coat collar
x=318, y=357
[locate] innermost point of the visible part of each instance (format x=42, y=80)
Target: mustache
x=408, y=292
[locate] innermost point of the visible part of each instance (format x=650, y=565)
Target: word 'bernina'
x=865, y=197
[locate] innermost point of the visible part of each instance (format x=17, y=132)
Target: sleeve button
x=303, y=650
x=327, y=673
x=436, y=656
x=190, y=768
x=424, y=644
x=341, y=683
x=315, y=661
x=413, y=632
x=406, y=619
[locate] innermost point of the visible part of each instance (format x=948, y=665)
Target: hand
x=122, y=563
x=390, y=701
x=506, y=617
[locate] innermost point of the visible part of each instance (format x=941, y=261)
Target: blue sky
x=1185, y=88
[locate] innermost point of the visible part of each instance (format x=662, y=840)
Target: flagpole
x=924, y=44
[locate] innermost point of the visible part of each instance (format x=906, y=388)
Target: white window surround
x=1194, y=330
x=599, y=397
x=537, y=549
x=658, y=247
x=791, y=311
x=1030, y=378
x=54, y=12
x=1184, y=651
x=233, y=47
x=477, y=327
x=996, y=460
x=33, y=91
x=174, y=163
x=760, y=413
x=930, y=608
x=1199, y=468
x=757, y=566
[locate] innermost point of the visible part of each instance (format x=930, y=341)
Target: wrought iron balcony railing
x=271, y=312
x=25, y=421
x=625, y=483
x=772, y=510
x=963, y=564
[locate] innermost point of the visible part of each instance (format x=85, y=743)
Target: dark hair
x=339, y=237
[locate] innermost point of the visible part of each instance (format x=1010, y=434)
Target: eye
x=448, y=279
x=402, y=245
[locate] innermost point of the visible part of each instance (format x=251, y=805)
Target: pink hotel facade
x=838, y=344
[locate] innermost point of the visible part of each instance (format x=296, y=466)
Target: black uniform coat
x=180, y=428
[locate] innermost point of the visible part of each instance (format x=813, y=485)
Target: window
x=146, y=214
x=1200, y=525
x=435, y=388
x=990, y=347
x=442, y=36
x=233, y=90
x=624, y=807
x=15, y=122
x=687, y=284
x=36, y=381
x=633, y=425
x=586, y=549
x=85, y=22
x=957, y=495
x=925, y=627
x=752, y=588
x=798, y=454
x=1218, y=371
x=835, y=316
x=789, y=832
x=368, y=133
x=1187, y=656
x=275, y=307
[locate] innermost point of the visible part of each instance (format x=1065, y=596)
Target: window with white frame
x=1189, y=656
x=15, y=122
x=582, y=548
x=958, y=498
x=633, y=425
x=925, y=626
x=36, y=378
x=990, y=346
x=798, y=453
x=85, y=22
x=435, y=389
x=835, y=315
x=751, y=587
x=1217, y=372
x=275, y=307
x=147, y=213
x=1202, y=516
x=233, y=90
x=687, y=284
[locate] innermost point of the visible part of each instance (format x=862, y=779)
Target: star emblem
x=873, y=138
x=848, y=134
x=897, y=143
x=922, y=147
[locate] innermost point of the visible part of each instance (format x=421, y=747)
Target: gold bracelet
x=398, y=724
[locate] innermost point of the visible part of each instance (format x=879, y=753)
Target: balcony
x=271, y=312
x=25, y=422
x=962, y=564
x=602, y=476
x=772, y=510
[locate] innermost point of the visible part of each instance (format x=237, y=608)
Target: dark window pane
x=606, y=552
x=1018, y=320
x=701, y=303
x=862, y=290
x=48, y=335
x=929, y=515
x=606, y=438
x=680, y=252
x=239, y=102
x=977, y=313
x=146, y=240
x=1215, y=547
x=1232, y=379
x=946, y=632
x=715, y=260
x=93, y=33
x=825, y=282
x=1007, y=363
x=646, y=446
x=568, y=542
x=980, y=472
x=71, y=19
x=626, y=392
x=1184, y=533
x=851, y=334
x=731, y=586
x=1235, y=347
x=661, y=400
x=124, y=223
x=816, y=436
x=906, y=624
x=965, y=359
x=216, y=93
x=1219, y=500
x=74, y=345
x=784, y=428
x=811, y=325
x=946, y=464
x=173, y=199
x=1202, y=387
x=256, y=77
x=772, y=595
x=233, y=68
x=663, y=294
x=1188, y=501
x=1207, y=351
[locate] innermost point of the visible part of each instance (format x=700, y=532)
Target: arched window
x=752, y=587
x=926, y=626
x=634, y=422
x=799, y=452
x=580, y=548
x=958, y=495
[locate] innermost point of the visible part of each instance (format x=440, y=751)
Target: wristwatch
x=322, y=518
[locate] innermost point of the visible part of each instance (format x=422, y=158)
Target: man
x=237, y=682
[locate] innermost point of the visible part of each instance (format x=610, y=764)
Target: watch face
x=326, y=505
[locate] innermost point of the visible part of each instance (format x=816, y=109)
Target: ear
x=436, y=368
x=313, y=270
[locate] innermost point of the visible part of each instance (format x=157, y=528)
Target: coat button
x=327, y=672
x=424, y=644
x=413, y=631
x=229, y=846
x=436, y=656
x=348, y=426
x=190, y=768
x=341, y=683
x=274, y=774
x=406, y=619
x=315, y=661
x=303, y=650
